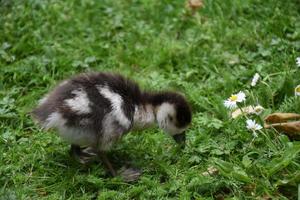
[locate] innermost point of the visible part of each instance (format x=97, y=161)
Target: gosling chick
x=93, y=111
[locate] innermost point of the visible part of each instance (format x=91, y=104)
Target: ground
x=207, y=54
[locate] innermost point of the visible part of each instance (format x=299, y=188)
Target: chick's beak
x=180, y=138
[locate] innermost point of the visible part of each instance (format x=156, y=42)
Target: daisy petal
x=297, y=90
x=298, y=61
x=255, y=79
x=252, y=125
x=241, y=96
x=230, y=104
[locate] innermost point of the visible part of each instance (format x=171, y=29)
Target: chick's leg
x=107, y=163
x=128, y=174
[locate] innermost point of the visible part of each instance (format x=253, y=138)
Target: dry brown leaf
x=219, y=197
x=288, y=127
x=41, y=191
x=264, y=197
x=195, y=4
x=292, y=129
x=249, y=188
x=281, y=117
x=211, y=171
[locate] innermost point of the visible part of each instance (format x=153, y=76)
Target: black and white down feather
x=97, y=109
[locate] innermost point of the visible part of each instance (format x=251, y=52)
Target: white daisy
x=232, y=101
x=297, y=90
x=298, y=61
x=258, y=109
x=255, y=79
x=252, y=125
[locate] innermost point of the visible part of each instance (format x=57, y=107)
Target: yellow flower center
x=258, y=109
x=233, y=97
x=297, y=89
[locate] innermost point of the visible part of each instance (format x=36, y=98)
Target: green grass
x=207, y=56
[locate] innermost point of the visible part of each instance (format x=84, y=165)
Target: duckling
x=93, y=111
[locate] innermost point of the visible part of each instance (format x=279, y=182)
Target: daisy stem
x=252, y=141
x=263, y=82
x=268, y=139
x=253, y=97
x=275, y=74
x=242, y=111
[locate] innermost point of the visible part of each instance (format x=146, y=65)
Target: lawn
x=207, y=55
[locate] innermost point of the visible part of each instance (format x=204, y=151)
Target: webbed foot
x=85, y=155
x=130, y=174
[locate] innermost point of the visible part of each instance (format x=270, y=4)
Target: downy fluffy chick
x=93, y=111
